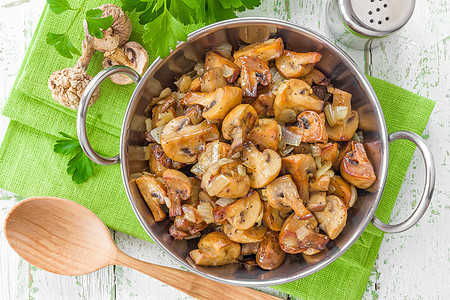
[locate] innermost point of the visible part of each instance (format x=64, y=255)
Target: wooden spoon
x=64, y=237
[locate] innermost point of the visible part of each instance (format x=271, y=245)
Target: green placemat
x=29, y=167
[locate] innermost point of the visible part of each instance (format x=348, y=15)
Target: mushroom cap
x=119, y=32
x=137, y=58
x=265, y=135
x=292, y=64
x=68, y=86
x=311, y=127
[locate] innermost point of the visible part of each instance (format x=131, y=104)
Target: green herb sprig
x=95, y=23
x=163, y=19
x=80, y=166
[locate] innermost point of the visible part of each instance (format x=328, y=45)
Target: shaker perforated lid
x=376, y=18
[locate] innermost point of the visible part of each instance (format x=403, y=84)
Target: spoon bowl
x=64, y=237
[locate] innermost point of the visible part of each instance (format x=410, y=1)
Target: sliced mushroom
x=252, y=235
x=211, y=80
x=282, y=193
x=182, y=228
x=215, y=249
x=265, y=135
x=249, y=248
x=320, y=184
x=115, y=36
x=328, y=152
x=317, y=202
x=154, y=194
x=195, y=85
x=344, y=149
x=263, y=104
x=333, y=218
x=274, y=218
x=214, y=152
x=237, y=124
x=344, y=190
x=356, y=167
x=344, y=131
x=311, y=127
x=302, y=168
x=194, y=112
x=164, y=106
x=182, y=142
x=229, y=69
x=297, y=235
x=195, y=192
x=216, y=104
x=340, y=109
x=159, y=161
x=266, y=50
x=227, y=180
x=178, y=189
x=295, y=94
x=270, y=255
x=318, y=78
x=262, y=167
x=292, y=64
x=254, y=71
x=241, y=214
x=132, y=55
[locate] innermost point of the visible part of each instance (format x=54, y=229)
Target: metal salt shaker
x=361, y=24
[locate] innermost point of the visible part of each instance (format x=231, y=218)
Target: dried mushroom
x=356, y=167
x=154, y=194
x=282, y=193
x=183, y=142
x=215, y=249
x=270, y=255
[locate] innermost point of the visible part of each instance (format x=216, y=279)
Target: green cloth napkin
x=29, y=167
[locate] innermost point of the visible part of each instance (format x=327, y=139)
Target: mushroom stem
x=85, y=58
x=119, y=56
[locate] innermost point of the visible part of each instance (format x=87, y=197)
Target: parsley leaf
x=163, y=33
x=58, y=6
x=79, y=166
x=62, y=44
x=95, y=22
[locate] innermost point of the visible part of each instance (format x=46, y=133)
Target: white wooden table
x=410, y=265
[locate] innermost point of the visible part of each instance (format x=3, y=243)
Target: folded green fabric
x=29, y=167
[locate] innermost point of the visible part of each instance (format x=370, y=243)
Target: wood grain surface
x=410, y=265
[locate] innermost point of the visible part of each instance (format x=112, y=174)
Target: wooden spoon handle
x=191, y=283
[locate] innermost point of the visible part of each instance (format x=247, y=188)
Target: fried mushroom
x=333, y=217
x=356, y=167
x=270, y=255
x=178, y=188
x=254, y=71
x=263, y=167
x=154, y=194
x=215, y=249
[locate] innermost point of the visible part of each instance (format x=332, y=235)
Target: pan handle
x=83, y=107
x=430, y=175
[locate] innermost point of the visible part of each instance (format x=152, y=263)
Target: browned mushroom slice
x=263, y=167
x=328, y=152
x=182, y=142
x=252, y=235
x=302, y=168
x=159, y=161
x=265, y=135
x=229, y=69
x=274, y=218
x=297, y=235
x=263, y=104
x=344, y=131
x=216, y=104
x=356, y=167
x=270, y=255
x=311, y=127
x=215, y=249
x=237, y=124
x=241, y=214
x=182, y=228
x=195, y=85
x=318, y=77
x=333, y=218
x=317, y=202
x=282, y=193
x=266, y=50
x=211, y=80
x=340, y=110
x=178, y=189
x=214, y=151
x=254, y=71
x=295, y=94
x=344, y=190
x=320, y=184
x=249, y=248
x=154, y=194
x=194, y=112
x=292, y=64
x=227, y=180
x=164, y=106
